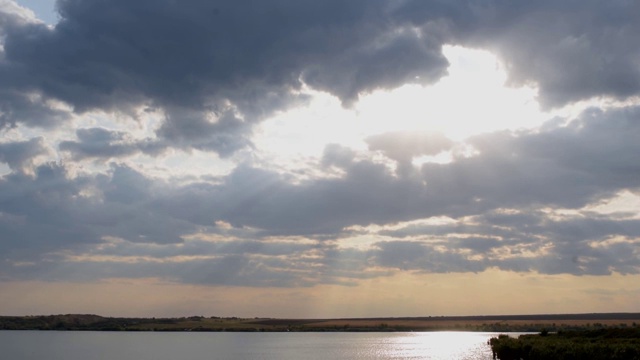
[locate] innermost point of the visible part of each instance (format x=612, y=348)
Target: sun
x=472, y=98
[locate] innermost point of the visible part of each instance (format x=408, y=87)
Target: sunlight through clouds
x=472, y=99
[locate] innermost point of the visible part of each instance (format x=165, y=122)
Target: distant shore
x=489, y=323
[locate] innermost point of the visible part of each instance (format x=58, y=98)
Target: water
x=70, y=345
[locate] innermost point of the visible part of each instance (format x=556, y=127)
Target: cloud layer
x=82, y=197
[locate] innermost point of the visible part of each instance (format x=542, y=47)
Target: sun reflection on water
x=436, y=346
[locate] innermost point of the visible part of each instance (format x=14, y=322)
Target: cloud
x=20, y=155
x=42, y=213
x=101, y=143
x=27, y=108
x=200, y=60
x=215, y=70
x=201, y=57
x=561, y=167
x=183, y=130
x=513, y=240
x=337, y=155
x=404, y=146
x=572, y=50
x=53, y=210
x=498, y=200
x=413, y=256
x=224, y=134
x=13, y=15
x=389, y=61
x=170, y=54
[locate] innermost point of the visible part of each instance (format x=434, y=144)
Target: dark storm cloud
x=42, y=213
x=572, y=50
x=570, y=166
x=590, y=159
x=561, y=167
x=52, y=211
x=266, y=200
x=214, y=69
x=236, y=263
x=419, y=257
x=390, y=61
x=204, y=57
x=208, y=262
x=19, y=155
x=16, y=107
x=497, y=196
x=223, y=134
x=581, y=244
x=338, y=155
x=199, y=55
x=194, y=247
x=101, y=143
x=183, y=130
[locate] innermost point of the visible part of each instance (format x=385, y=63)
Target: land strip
x=496, y=323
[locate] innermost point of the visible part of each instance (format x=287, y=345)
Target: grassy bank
x=600, y=344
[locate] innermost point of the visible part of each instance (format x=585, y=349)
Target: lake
x=72, y=345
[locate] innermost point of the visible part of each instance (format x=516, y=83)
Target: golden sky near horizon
x=333, y=159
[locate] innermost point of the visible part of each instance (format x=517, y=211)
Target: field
x=501, y=323
x=471, y=325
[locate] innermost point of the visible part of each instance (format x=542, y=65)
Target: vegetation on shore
x=600, y=344
x=504, y=323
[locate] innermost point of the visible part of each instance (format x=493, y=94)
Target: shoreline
x=484, y=323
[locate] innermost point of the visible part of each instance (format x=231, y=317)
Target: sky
x=314, y=159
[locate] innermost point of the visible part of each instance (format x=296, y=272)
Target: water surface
x=72, y=345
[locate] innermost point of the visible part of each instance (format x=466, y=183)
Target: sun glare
x=471, y=99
